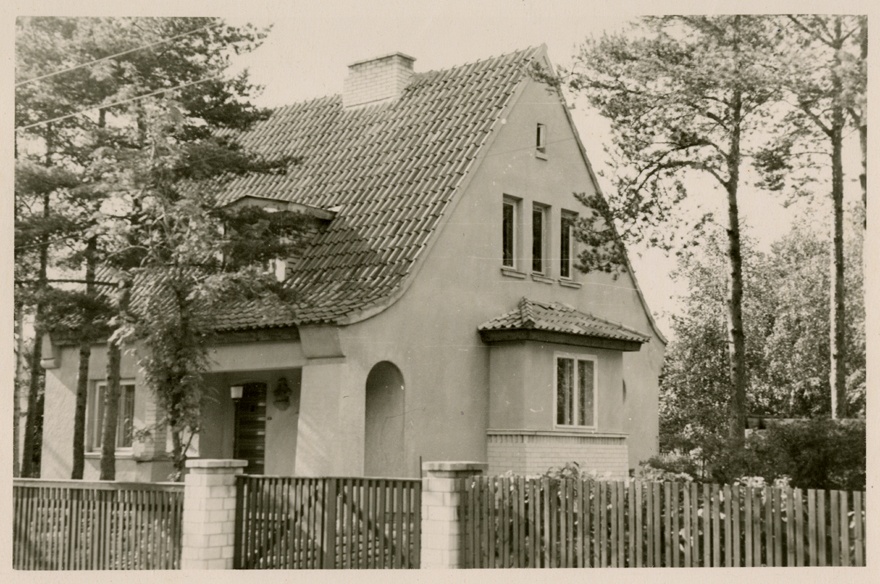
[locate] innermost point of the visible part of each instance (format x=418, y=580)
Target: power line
x=109, y=57
x=115, y=103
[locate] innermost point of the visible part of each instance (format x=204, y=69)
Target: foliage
x=818, y=454
x=786, y=316
x=136, y=146
x=809, y=453
x=671, y=467
x=687, y=97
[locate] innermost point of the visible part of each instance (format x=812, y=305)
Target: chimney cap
x=382, y=57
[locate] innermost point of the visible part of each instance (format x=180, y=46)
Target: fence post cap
x=455, y=466
x=215, y=463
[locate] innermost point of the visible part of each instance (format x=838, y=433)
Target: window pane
x=565, y=247
x=98, y=416
x=125, y=427
x=537, y=239
x=564, y=393
x=507, y=226
x=585, y=393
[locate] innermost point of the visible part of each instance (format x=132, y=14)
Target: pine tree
x=686, y=96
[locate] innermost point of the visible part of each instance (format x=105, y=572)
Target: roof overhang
x=491, y=337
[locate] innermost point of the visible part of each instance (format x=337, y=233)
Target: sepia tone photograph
x=438, y=285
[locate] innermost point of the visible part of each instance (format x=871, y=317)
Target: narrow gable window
x=566, y=244
x=508, y=233
x=575, y=392
x=124, y=421
x=541, y=139
x=539, y=238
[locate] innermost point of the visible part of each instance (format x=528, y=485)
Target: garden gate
x=315, y=523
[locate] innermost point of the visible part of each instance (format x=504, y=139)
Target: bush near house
x=811, y=454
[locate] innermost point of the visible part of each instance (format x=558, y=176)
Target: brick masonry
x=531, y=453
x=442, y=489
x=209, y=514
x=377, y=80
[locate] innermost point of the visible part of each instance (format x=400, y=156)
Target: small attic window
x=541, y=140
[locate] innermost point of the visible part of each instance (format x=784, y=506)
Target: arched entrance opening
x=383, y=428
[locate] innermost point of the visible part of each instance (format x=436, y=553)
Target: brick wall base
x=530, y=453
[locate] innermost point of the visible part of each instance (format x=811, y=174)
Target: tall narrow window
x=539, y=238
x=566, y=244
x=575, y=392
x=125, y=416
x=508, y=233
x=541, y=138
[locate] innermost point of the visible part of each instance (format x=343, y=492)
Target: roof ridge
x=529, y=49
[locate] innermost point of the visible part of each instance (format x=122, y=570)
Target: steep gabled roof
x=389, y=172
x=559, y=322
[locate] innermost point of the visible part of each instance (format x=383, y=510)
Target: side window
x=541, y=139
x=539, y=238
x=575, y=392
x=125, y=419
x=509, y=235
x=566, y=244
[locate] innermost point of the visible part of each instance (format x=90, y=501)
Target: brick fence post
x=442, y=489
x=209, y=514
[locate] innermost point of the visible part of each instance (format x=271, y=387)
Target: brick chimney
x=377, y=80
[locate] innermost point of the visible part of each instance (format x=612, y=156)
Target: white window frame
x=514, y=204
x=96, y=418
x=545, y=238
x=575, y=357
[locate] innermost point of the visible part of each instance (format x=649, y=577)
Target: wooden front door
x=250, y=428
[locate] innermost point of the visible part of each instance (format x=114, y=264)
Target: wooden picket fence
x=96, y=525
x=329, y=523
x=514, y=522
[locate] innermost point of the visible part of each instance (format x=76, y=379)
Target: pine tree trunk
x=111, y=394
x=735, y=332
x=33, y=433
x=863, y=126
x=82, y=381
x=111, y=413
x=838, y=314
x=16, y=388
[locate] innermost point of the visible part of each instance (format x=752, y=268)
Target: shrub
x=819, y=454
x=808, y=454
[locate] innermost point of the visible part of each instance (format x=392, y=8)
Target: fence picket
x=858, y=529
x=707, y=530
x=799, y=527
x=649, y=526
x=611, y=511
x=835, y=528
x=658, y=525
x=844, y=529
x=768, y=526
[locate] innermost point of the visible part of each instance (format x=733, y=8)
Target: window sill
x=569, y=283
x=576, y=429
x=512, y=273
x=126, y=453
x=542, y=278
x=540, y=155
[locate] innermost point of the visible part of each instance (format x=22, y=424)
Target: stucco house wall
x=448, y=377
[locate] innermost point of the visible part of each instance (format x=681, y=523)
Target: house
x=440, y=316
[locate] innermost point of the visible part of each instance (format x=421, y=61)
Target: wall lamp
x=236, y=391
